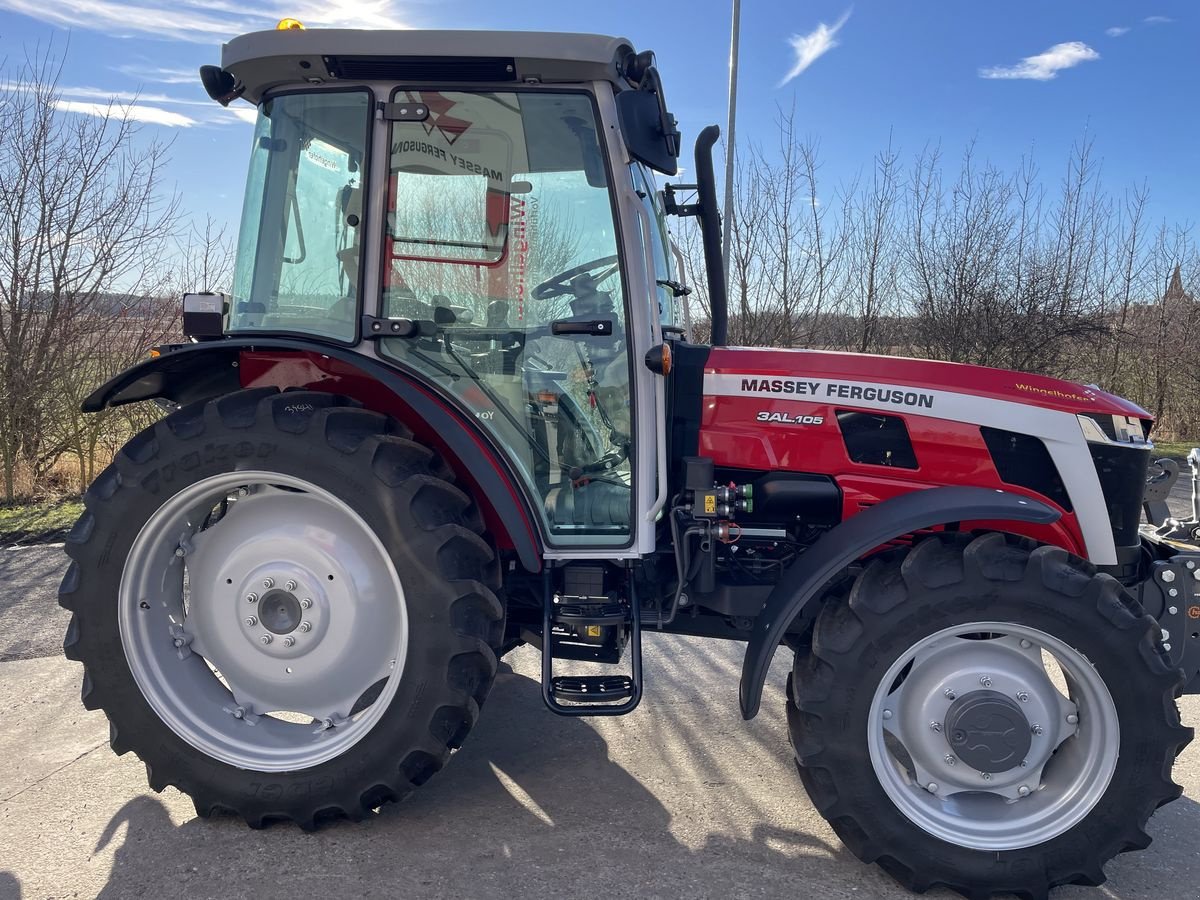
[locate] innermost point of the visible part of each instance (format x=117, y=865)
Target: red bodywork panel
x=947, y=452
x=321, y=373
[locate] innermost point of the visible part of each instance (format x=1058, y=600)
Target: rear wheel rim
x=1027, y=676
x=263, y=620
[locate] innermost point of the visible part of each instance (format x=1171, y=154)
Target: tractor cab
x=478, y=210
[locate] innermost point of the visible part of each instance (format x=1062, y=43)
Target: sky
x=1015, y=77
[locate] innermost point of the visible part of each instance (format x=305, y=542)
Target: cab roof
x=262, y=60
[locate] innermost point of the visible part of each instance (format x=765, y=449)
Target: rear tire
x=875, y=657
x=308, y=448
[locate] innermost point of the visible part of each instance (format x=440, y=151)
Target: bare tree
x=82, y=219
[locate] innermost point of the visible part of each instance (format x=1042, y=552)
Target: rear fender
x=200, y=371
x=853, y=539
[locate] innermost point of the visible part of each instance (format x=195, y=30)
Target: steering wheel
x=574, y=279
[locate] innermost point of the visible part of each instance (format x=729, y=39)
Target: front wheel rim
x=1011, y=673
x=263, y=620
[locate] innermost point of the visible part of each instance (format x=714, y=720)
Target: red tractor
x=449, y=408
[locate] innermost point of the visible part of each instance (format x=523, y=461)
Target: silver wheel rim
x=1074, y=736
x=263, y=620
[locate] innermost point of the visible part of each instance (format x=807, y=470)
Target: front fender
x=199, y=371
x=851, y=540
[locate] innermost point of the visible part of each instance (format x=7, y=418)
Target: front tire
x=986, y=716
x=283, y=605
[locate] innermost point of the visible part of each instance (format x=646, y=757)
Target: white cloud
x=245, y=113
x=1045, y=65
x=104, y=95
x=812, y=46
x=201, y=21
x=160, y=75
x=1117, y=30
x=1157, y=20
x=134, y=111
x=143, y=107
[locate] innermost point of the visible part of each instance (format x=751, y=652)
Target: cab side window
x=660, y=244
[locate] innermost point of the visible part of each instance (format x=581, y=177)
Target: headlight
x=1113, y=429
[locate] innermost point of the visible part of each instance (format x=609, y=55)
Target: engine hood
x=825, y=374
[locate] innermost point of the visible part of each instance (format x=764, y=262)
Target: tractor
x=452, y=404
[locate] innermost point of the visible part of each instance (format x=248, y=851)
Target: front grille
x=1122, y=473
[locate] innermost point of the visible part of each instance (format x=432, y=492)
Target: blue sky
x=1014, y=75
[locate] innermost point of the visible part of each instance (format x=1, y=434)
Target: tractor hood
x=901, y=383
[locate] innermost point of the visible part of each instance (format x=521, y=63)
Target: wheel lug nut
x=1036, y=729
x=268, y=583
x=291, y=585
x=1023, y=791
x=932, y=787
x=936, y=727
x=985, y=680
x=1023, y=696
x=289, y=641
x=987, y=776
x=239, y=713
x=251, y=621
x=950, y=695
x=178, y=642
x=305, y=627
x=306, y=603
x=1168, y=576
x=1072, y=719
x=887, y=713
x=950, y=760
x=265, y=639
x=252, y=597
x=1025, y=645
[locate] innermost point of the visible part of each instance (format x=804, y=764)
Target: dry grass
x=34, y=523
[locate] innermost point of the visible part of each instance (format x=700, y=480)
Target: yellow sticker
x=593, y=631
x=710, y=504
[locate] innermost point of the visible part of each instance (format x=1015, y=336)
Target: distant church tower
x=1175, y=289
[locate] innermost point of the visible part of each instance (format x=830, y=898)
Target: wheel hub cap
x=988, y=731
x=279, y=611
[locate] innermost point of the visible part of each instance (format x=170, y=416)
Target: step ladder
x=590, y=695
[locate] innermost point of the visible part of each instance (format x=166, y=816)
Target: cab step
x=582, y=625
x=592, y=688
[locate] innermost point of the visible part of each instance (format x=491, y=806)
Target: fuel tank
x=882, y=426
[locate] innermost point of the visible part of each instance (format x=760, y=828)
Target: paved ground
x=681, y=798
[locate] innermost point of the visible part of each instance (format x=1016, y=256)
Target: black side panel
x=842, y=545
x=685, y=387
x=1024, y=460
x=199, y=371
x=876, y=439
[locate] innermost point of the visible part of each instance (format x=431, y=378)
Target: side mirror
x=220, y=85
x=648, y=128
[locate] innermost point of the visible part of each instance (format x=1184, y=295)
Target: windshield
x=298, y=249
x=500, y=235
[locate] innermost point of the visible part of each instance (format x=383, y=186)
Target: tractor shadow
x=534, y=806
